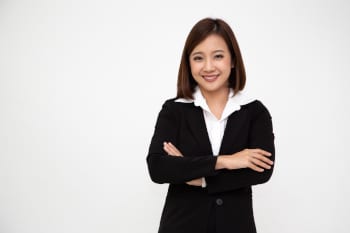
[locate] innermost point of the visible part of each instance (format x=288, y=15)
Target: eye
x=219, y=56
x=197, y=58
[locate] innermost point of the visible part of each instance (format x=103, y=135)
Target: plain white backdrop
x=82, y=82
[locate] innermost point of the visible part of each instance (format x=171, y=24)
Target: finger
x=195, y=182
x=262, y=158
x=263, y=152
x=255, y=168
x=166, y=148
x=190, y=182
x=170, y=150
x=173, y=151
x=174, y=148
x=260, y=164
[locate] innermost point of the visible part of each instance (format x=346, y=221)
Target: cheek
x=195, y=68
x=226, y=65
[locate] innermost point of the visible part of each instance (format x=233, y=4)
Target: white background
x=82, y=82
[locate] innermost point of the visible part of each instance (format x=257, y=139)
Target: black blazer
x=228, y=192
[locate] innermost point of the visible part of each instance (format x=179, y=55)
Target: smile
x=210, y=78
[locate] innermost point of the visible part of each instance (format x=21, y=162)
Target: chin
x=211, y=89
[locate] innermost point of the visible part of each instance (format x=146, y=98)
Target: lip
x=210, y=78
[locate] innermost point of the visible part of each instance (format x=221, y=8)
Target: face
x=210, y=63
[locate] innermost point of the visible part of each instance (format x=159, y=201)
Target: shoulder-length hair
x=200, y=31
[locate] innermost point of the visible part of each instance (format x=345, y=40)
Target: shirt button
x=219, y=201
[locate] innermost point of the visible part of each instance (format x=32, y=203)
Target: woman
x=211, y=143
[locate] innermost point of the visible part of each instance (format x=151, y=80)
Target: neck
x=216, y=97
x=216, y=101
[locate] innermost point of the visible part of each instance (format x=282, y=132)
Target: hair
x=200, y=31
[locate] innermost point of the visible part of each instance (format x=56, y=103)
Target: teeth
x=210, y=77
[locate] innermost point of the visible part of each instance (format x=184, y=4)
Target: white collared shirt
x=216, y=127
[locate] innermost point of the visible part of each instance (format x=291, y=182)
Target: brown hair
x=200, y=31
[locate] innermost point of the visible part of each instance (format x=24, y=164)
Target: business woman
x=212, y=142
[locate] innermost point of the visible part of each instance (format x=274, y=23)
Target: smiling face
x=211, y=64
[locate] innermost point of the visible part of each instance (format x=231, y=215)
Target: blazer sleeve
x=260, y=136
x=164, y=168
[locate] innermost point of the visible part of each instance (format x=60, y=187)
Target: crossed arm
x=255, y=159
x=253, y=165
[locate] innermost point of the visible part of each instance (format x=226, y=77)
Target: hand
x=173, y=151
x=195, y=182
x=255, y=159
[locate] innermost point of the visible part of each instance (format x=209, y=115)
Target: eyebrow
x=218, y=50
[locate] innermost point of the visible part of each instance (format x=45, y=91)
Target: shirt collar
x=233, y=104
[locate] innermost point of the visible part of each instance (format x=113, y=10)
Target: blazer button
x=219, y=201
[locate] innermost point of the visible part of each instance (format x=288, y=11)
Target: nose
x=208, y=65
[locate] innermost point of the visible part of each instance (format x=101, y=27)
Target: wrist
x=221, y=162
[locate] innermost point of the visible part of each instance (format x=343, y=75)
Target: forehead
x=211, y=43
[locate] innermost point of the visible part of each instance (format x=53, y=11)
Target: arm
x=164, y=168
x=173, y=151
x=261, y=136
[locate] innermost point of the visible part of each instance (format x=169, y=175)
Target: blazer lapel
x=234, y=124
x=196, y=123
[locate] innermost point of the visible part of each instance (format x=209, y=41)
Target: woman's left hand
x=173, y=151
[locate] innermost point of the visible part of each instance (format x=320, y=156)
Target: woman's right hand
x=255, y=159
